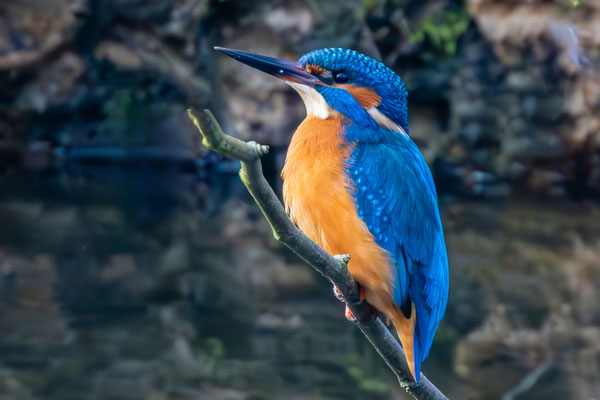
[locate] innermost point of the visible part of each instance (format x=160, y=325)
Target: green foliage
x=442, y=30
x=214, y=347
x=569, y=3
x=367, y=6
x=212, y=351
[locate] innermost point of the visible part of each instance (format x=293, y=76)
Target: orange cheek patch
x=314, y=69
x=366, y=97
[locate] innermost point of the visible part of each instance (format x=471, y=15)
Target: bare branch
x=333, y=268
x=528, y=381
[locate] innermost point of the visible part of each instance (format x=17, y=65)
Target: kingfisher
x=356, y=183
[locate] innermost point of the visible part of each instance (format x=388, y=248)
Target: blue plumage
x=397, y=201
x=396, y=198
x=393, y=188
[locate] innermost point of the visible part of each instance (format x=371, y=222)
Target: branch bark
x=333, y=268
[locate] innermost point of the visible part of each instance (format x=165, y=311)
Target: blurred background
x=134, y=265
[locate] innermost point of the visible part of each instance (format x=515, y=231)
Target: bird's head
x=339, y=80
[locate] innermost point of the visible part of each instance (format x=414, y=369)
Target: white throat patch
x=314, y=102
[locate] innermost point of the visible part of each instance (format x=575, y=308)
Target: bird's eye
x=340, y=77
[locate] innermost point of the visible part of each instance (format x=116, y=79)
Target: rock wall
x=503, y=96
x=163, y=282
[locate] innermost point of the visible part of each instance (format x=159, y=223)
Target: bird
x=356, y=183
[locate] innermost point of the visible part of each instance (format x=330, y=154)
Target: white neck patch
x=384, y=121
x=315, y=103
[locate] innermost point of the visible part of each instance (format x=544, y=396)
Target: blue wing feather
x=396, y=198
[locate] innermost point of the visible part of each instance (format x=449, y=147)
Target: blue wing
x=396, y=198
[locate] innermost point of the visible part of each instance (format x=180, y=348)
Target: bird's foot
x=337, y=293
x=340, y=297
x=349, y=316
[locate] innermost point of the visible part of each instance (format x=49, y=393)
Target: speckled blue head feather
x=367, y=72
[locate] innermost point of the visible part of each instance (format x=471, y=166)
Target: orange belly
x=317, y=195
x=318, y=198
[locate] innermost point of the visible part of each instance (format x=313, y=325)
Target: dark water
x=158, y=280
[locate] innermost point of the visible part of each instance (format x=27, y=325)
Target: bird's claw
x=349, y=316
x=337, y=293
x=348, y=313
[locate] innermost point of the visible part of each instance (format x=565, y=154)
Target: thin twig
x=528, y=381
x=333, y=268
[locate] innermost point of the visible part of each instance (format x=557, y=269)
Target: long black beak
x=282, y=69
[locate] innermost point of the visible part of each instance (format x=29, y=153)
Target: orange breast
x=316, y=192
